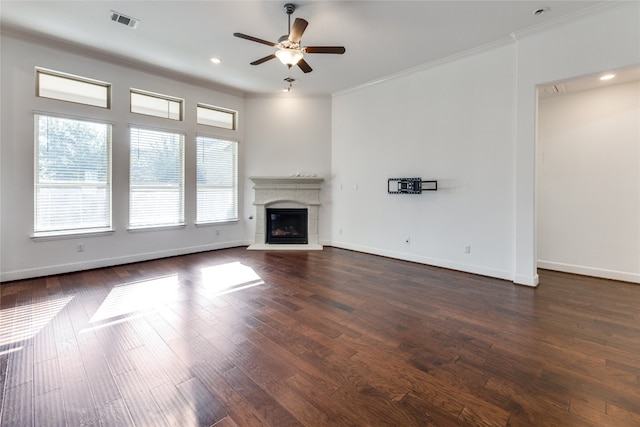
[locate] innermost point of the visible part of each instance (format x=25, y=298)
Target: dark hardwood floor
x=333, y=337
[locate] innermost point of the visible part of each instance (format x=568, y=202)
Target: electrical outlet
x=80, y=247
x=467, y=249
x=217, y=232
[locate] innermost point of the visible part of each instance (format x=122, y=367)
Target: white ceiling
x=382, y=38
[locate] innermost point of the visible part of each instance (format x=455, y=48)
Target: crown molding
x=556, y=22
x=511, y=39
x=96, y=54
x=438, y=62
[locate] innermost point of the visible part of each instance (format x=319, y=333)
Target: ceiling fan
x=289, y=51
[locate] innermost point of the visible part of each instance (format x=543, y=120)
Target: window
x=153, y=104
x=72, y=176
x=216, y=116
x=156, y=182
x=217, y=180
x=65, y=87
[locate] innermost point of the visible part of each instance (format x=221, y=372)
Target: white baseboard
x=590, y=271
x=520, y=279
x=284, y=247
x=452, y=265
x=6, y=276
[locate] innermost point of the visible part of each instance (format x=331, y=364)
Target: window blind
x=156, y=182
x=72, y=175
x=217, y=180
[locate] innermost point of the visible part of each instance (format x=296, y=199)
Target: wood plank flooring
x=320, y=338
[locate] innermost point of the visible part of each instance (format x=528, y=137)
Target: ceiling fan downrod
x=289, y=8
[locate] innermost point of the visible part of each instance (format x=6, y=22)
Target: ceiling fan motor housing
x=289, y=50
x=289, y=8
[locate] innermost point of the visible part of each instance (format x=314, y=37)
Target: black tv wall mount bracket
x=410, y=185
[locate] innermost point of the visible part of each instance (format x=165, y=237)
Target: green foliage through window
x=72, y=179
x=217, y=180
x=156, y=182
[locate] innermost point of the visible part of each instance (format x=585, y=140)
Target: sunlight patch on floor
x=133, y=298
x=23, y=322
x=226, y=278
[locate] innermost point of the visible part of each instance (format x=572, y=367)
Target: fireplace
x=289, y=198
x=287, y=226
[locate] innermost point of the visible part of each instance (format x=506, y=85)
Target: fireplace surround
x=286, y=192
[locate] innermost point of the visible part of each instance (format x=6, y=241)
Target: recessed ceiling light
x=216, y=60
x=607, y=77
x=541, y=11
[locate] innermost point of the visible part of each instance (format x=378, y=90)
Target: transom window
x=72, y=176
x=154, y=104
x=216, y=116
x=156, y=182
x=66, y=87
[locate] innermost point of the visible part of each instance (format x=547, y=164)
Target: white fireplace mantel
x=286, y=192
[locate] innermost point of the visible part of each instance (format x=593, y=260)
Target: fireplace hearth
x=287, y=226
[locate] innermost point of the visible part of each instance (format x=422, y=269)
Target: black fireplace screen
x=287, y=226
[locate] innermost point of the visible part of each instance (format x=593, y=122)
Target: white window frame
x=205, y=107
x=179, y=221
x=212, y=187
x=82, y=84
x=75, y=228
x=166, y=113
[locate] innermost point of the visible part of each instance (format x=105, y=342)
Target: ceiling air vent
x=124, y=19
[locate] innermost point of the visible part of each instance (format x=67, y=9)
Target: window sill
x=53, y=235
x=156, y=228
x=214, y=223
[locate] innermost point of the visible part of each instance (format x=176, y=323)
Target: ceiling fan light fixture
x=289, y=57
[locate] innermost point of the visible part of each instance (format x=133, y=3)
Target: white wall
x=470, y=123
x=20, y=256
x=286, y=135
x=608, y=39
x=589, y=182
x=452, y=123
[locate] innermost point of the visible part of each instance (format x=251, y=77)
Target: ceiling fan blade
x=299, y=25
x=265, y=59
x=304, y=66
x=325, y=49
x=253, y=39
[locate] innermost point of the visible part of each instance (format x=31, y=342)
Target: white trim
x=513, y=37
x=6, y=276
x=590, y=271
x=561, y=20
x=520, y=279
x=119, y=60
x=145, y=228
x=81, y=234
x=284, y=247
x=435, y=262
x=428, y=65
